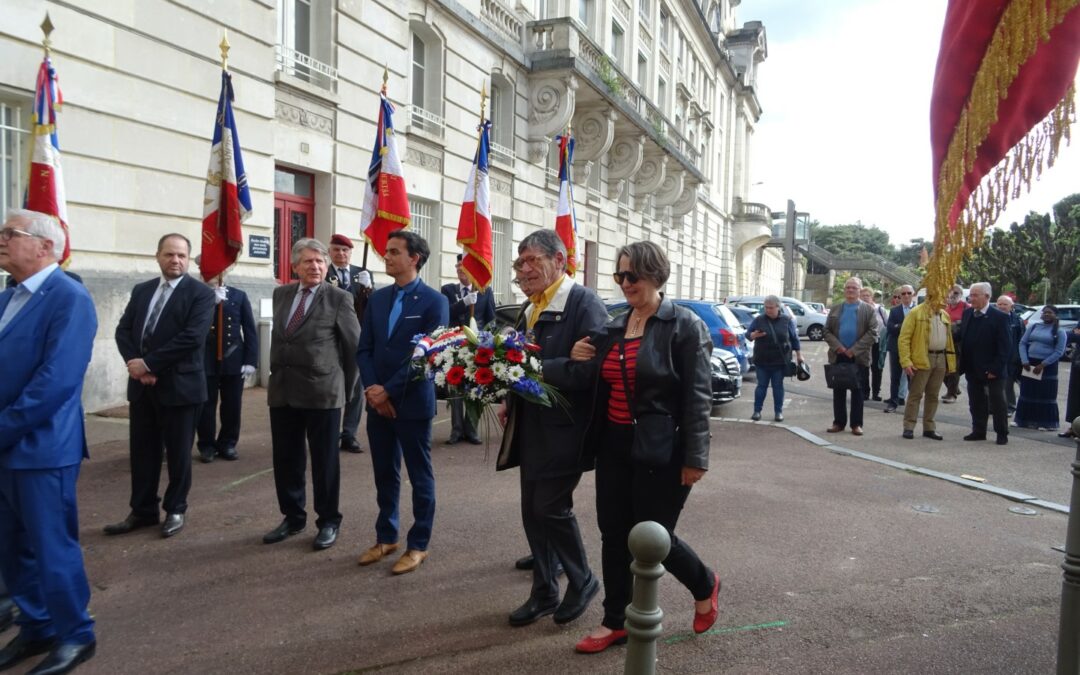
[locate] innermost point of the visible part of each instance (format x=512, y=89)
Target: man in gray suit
x=850, y=331
x=312, y=371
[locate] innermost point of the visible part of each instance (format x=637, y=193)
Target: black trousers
x=840, y=396
x=627, y=494
x=231, y=388
x=986, y=398
x=547, y=512
x=870, y=378
x=289, y=427
x=460, y=426
x=154, y=430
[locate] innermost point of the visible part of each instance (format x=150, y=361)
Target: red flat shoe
x=591, y=645
x=703, y=622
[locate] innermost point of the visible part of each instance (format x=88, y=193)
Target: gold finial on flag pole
x=225, y=50
x=483, y=100
x=385, y=77
x=47, y=29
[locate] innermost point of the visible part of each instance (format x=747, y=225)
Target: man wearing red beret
x=355, y=280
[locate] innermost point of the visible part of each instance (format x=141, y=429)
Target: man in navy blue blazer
x=226, y=372
x=400, y=406
x=984, y=361
x=161, y=337
x=47, y=329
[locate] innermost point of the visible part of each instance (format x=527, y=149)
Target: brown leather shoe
x=376, y=553
x=857, y=431
x=835, y=429
x=409, y=561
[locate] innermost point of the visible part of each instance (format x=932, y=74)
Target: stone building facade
x=659, y=94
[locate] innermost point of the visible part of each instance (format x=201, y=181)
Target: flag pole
x=224, y=45
x=382, y=93
x=47, y=29
x=476, y=178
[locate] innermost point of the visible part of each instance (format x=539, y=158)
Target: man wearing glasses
x=896, y=320
x=546, y=442
x=47, y=328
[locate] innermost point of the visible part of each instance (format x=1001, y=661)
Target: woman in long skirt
x=1041, y=347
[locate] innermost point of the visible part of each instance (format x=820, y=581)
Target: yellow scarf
x=541, y=301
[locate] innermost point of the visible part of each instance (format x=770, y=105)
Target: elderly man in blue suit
x=47, y=328
x=400, y=407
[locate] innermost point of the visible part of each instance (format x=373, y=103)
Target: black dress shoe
x=532, y=610
x=908, y=434
x=575, y=603
x=901, y=402
x=475, y=440
x=350, y=444
x=20, y=649
x=228, y=454
x=174, y=522
x=975, y=437
x=325, y=538
x=64, y=659
x=206, y=455
x=132, y=522
x=279, y=533
x=890, y=408
x=932, y=434
x=875, y=397
x=525, y=563
x=1003, y=439
x=7, y=614
x=454, y=438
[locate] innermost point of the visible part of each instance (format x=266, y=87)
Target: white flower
x=500, y=369
x=534, y=363
x=474, y=394
x=516, y=372
x=501, y=392
x=470, y=371
x=440, y=378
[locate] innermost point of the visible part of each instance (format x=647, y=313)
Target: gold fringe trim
x=1024, y=26
x=394, y=218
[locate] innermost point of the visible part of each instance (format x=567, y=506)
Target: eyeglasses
x=896, y=297
x=906, y=293
x=619, y=277
x=8, y=233
x=531, y=261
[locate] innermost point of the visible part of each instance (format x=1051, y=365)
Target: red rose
x=483, y=356
x=484, y=376
x=515, y=355
x=455, y=375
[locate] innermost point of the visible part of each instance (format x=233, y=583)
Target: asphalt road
x=830, y=563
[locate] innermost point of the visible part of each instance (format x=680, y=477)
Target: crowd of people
x=638, y=392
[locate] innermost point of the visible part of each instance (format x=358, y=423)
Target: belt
x=938, y=351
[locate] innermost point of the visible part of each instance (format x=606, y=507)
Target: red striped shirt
x=618, y=410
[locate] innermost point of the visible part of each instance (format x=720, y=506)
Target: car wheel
x=815, y=333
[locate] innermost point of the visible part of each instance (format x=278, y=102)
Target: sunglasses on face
x=896, y=297
x=625, y=276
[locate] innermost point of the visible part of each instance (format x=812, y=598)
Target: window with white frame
x=665, y=28
x=501, y=234
x=14, y=146
x=642, y=70
x=661, y=95
x=425, y=73
x=585, y=14
x=304, y=48
x=617, y=43
x=425, y=216
x=645, y=9
x=502, y=118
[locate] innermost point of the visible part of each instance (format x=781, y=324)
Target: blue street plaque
x=258, y=246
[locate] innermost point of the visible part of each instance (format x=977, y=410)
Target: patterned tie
x=343, y=275
x=155, y=314
x=298, y=315
x=395, y=310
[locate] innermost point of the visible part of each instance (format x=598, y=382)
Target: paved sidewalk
x=828, y=564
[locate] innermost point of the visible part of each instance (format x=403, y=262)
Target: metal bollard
x=649, y=544
x=1069, y=628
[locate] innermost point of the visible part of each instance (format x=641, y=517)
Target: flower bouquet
x=482, y=367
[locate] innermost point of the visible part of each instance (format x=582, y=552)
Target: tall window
x=665, y=29
x=617, y=43
x=501, y=233
x=423, y=215
x=644, y=9
x=642, y=71
x=304, y=47
x=14, y=140
x=502, y=115
x=585, y=13
x=419, y=70
x=661, y=95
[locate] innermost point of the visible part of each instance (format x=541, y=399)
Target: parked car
x=724, y=328
x=745, y=315
x=817, y=307
x=811, y=324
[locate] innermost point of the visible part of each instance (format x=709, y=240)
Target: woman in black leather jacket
x=665, y=349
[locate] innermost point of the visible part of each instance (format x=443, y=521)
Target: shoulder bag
x=842, y=375
x=790, y=368
x=654, y=434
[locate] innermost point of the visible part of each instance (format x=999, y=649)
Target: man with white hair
x=984, y=356
x=1016, y=331
x=47, y=328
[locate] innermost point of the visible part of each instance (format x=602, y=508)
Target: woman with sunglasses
x=1041, y=347
x=651, y=361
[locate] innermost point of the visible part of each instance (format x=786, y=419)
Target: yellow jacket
x=914, y=341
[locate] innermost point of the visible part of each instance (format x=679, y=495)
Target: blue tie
x=395, y=310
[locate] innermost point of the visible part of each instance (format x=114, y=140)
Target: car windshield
x=727, y=315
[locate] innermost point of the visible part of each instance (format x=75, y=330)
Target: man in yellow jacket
x=927, y=353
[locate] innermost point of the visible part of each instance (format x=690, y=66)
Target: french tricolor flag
x=226, y=200
x=474, y=226
x=386, y=201
x=45, y=191
x=565, y=220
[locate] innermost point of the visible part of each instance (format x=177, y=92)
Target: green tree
x=1007, y=258
x=1060, y=239
x=852, y=240
x=909, y=254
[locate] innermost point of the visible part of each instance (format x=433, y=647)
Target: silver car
x=811, y=324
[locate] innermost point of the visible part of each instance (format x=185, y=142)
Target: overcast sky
x=845, y=130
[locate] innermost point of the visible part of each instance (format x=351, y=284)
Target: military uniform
x=350, y=419
x=239, y=348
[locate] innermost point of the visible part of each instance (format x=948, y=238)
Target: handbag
x=803, y=373
x=654, y=434
x=842, y=375
x=790, y=368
